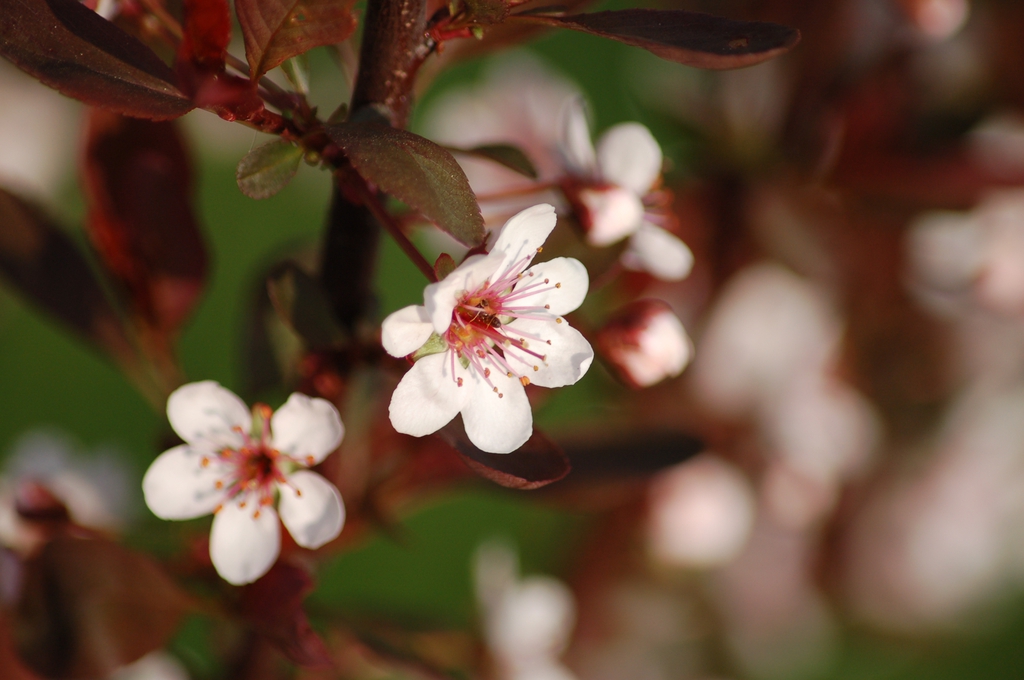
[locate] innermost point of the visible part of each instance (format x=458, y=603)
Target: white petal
x=204, y=413
x=566, y=359
x=613, y=213
x=306, y=428
x=576, y=145
x=498, y=424
x=440, y=298
x=317, y=515
x=243, y=547
x=628, y=155
x=568, y=284
x=523, y=234
x=403, y=332
x=428, y=396
x=178, y=486
x=654, y=250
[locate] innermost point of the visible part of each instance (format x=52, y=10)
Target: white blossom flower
x=646, y=343
x=236, y=464
x=614, y=189
x=487, y=330
x=527, y=621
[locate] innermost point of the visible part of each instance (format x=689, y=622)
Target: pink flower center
x=256, y=468
x=482, y=334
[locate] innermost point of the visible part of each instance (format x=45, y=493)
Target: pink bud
x=645, y=343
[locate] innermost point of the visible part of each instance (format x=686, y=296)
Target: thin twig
x=394, y=228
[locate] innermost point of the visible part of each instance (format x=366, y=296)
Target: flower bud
x=645, y=343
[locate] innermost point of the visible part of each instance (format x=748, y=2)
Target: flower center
x=256, y=468
x=482, y=335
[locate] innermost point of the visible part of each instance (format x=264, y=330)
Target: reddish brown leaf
x=44, y=264
x=139, y=189
x=537, y=463
x=273, y=605
x=87, y=606
x=417, y=172
x=691, y=38
x=207, y=32
x=276, y=30
x=72, y=49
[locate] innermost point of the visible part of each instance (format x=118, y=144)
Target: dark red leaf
x=72, y=49
x=276, y=30
x=139, y=189
x=273, y=605
x=691, y=38
x=537, y=463
x=207, y=32
x=416, y=171
x=40, y=260
x=636, y=454
x=87, y=606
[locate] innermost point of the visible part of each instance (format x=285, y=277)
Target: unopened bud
x=645, y=343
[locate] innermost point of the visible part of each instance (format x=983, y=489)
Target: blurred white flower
x=935, y=546
x=768, y=327
x=979, y=254
x=701, y=513
x=157, y=665
x=646, y=343
x=527, y=621
x=237, y=465
x=37, y=135
x=490, y=328
x=769, y=355
x=94, y=489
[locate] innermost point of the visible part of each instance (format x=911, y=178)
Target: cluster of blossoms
x=493, y=326
x=238, y=466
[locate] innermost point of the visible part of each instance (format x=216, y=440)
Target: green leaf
x=302, y=304
x=267, y=169
x=512, y=157
x=417, y=172
x=443, y=266
x=435, y=344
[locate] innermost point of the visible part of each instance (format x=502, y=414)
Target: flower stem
x=392, y=226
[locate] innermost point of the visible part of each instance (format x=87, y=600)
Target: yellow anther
x=509, y=374
x=524, y=380
x=540, y=249
x=558, y=320
x=536, y=368
x=218, y=484
x=310, y=460
x=558, y=285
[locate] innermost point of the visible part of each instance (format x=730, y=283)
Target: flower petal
x=204, y=413
x=567, y=287
x=628, y=155
x=566, y=359
x=498, y=424
x=612, y=214
x=178, y=486
x=403, y=332
x=317, y=515
x=654, y=250
x=577, y=149
x=307, y=428
x=243, y=547
x=440, y=298
x=523, y=234
x=428, y=396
